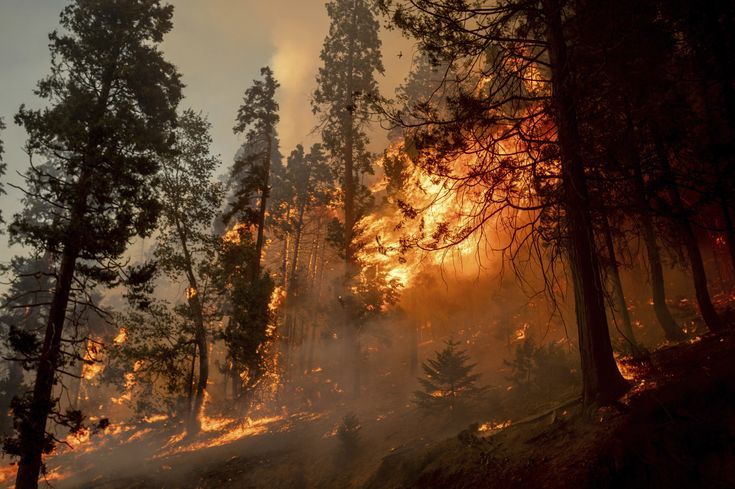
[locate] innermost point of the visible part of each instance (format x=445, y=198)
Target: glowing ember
x=122, y=335
x=191, y=292
x=234, y=234
x=491, y=427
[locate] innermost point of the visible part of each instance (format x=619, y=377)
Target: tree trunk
x=265, y=191
x=284, y=263
x=618, y=294
x=33, y=429
x=602, y=382
x=351, y=340
x=658, y=287
x=297, y=240
x=699, y=275
x=190, y=387
x=200, y=333
x=202, y=347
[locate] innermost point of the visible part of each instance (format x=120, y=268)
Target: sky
x=218, y=46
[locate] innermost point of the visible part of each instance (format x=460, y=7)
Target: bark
x=284, y=263
x=33, y=429
x=265, y=191
x=200, y=332
x=602, y=381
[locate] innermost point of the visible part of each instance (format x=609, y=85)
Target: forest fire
x=399, y=239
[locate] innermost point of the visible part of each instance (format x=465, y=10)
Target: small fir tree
x=450, y=383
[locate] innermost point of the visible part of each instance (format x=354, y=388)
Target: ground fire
x=367, y=244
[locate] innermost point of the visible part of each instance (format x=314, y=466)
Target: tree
x=257, y=119
x=540, y=368
x=154, y=365
x=449, y=383
x=250, y=329
x=21, y=324
x=113, y=99
x=251, y=173
x=186, y=245
x=351, y=57
x=309, y=177
x=3, y=166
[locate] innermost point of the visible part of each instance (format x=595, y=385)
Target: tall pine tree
x=250, y=287
x=351, y=56
x=113, y=101
x=3, y=166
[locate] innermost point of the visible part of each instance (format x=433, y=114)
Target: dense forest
x=530, y=284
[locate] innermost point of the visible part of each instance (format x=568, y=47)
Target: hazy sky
x=219, y=46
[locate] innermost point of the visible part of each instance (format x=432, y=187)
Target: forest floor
x=675, y=429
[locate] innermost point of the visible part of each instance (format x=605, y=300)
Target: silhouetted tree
x=516, y=112
x=449, y=383
x=113, y=99
x=3, y=167
x=257, y=119
x=251, y=173
x=250, y=330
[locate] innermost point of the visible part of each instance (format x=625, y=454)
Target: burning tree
x=510, y=140
x=449, y=384
x=351, y=56
x=113, y=99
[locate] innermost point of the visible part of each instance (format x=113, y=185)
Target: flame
x=278, y=296
x=92, y=365
x=439, y=219
x=191, y=292
x=491, y=427
x=121, y=337
x=234, y=234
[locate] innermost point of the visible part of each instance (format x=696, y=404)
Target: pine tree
x=248, y=330
x=190, y=201
x=112, y=103
x=345, y=83
x=449, y=383
x=21, y=324
x=257, y=119
x=3, y=166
